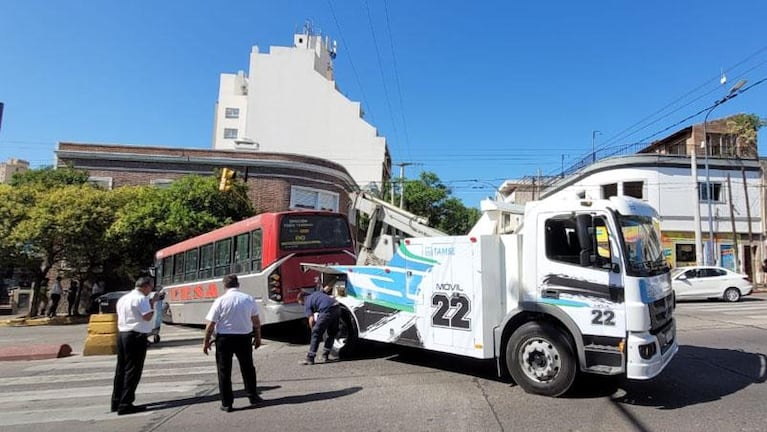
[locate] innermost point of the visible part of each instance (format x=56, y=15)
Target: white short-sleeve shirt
x=232, y=312
x=131, y=309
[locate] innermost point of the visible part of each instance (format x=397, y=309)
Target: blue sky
x=476, y=92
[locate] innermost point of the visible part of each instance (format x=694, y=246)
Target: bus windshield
x=644, y=253
x=302, y=232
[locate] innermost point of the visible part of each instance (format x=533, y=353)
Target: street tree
x=745, y=128
x=429, y=197
x=152, y=218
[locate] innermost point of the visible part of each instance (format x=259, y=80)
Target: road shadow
x=285, y=400
x=696, y=375
x=305, y=398
x=176, y=343
x=200, y=398
x=485, y=369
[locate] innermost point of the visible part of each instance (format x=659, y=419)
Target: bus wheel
x=540, y=359
x=347, y=339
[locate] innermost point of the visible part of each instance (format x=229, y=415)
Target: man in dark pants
x=234, y=318
x=55, y=297
x=72, y=309
x=328, y=312
x=134, y=323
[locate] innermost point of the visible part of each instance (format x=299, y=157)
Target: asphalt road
x=716, y=382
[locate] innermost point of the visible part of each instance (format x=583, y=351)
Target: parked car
x=107, y=303
x=705, y=282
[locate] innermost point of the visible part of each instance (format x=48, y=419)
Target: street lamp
x=734, y=91
x=593, y=147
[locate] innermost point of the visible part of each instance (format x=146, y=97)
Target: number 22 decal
x=603, y=317
x=461, y=306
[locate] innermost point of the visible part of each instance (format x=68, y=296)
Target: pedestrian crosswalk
x=755, y=309
x=79, y=389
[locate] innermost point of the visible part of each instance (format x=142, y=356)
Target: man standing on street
x=134, y=323
x=234, y=318
x=328, y=312
x=55, y=297
x=72, y=309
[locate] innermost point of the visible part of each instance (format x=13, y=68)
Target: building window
x=314, y=199
x=633, y=189
x=721, y=144
x=230, y=133
x=102, y=182
x=609, y=190
x=715, y=193
x=232, y=113
x=685, y=252
x=161, y=183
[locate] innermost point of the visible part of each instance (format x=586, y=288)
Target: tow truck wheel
x=732, y=294
x=540, y=359
x=346, y=340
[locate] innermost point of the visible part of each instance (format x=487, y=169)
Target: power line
x=381, y=69
x=354, y=68
x=396, y=80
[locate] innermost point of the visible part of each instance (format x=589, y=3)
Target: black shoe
x=130, y=409
x=255, y=400
x=225, y=408
x=308, y=361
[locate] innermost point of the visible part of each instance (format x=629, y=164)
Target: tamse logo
x=439, y=250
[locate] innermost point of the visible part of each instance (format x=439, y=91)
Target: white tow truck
x=547, y=289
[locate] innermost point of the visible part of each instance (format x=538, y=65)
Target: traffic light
x=227, y=176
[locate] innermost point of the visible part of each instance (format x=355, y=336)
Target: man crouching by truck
x=328, y=312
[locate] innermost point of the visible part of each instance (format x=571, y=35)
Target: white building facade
x=666, y=183
x=289, y=103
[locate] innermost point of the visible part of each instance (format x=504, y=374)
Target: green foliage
x=47, y=218
x=430, y=198
x=153, y=218
x=49, y=177
x=745, y=127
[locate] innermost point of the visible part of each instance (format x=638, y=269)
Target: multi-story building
x=290, y=103
x=276, y=182
x=11, y=167
x=662, y=174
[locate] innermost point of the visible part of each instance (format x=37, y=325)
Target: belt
x=135, y=332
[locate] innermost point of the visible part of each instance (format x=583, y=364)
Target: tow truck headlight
x=647, y=350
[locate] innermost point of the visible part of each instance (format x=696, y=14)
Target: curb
x=35, y=352
x=37, y=321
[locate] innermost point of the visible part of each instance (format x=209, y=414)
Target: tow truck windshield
x=644, y=252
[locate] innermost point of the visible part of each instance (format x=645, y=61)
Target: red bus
x=265, y=251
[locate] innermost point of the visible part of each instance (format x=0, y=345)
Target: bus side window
x=167, y=270
x=191, y=265
x=178, y=272
x=206, y=261
x=223, y=256
x=241, y=253
x=256, y=248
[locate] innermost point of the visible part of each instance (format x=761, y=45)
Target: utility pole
x=593, y=146
x=696, y=208
x=751, y=272
x=732, y=221
x=402, y=166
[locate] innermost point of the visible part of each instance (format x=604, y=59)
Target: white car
x=703, y=282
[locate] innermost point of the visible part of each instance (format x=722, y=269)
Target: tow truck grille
x=661, y=312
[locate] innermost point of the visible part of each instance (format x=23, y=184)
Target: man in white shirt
x=55, y=297
x=134, y=323
x=234, y=317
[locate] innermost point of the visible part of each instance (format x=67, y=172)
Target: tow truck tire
x=347, y=339
x=732, y=294
x=540, y=359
